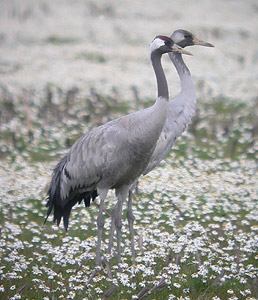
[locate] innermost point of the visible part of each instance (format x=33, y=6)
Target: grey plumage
x=111, y=156
x=76, y=195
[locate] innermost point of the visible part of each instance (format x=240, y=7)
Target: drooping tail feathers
x=55, y=201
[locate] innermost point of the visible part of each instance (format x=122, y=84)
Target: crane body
x=111, y=156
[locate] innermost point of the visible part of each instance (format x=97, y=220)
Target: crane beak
x=178, y=49
x=201, y=43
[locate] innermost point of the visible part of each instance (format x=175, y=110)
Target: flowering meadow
x=67, y=66
x=196, y=232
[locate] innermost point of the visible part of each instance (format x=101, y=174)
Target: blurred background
x=104, y=44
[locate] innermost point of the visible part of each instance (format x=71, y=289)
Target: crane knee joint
x=118, y=224
x=130, y=216
x=100, y=222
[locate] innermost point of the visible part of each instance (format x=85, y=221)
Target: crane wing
x=76, y=176
x=92, y=156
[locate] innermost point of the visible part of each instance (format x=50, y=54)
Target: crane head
x=184, y=38
x=164, y=44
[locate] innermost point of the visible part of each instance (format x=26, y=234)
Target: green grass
x=209, y=253
x=58, y=40
x=95, y=57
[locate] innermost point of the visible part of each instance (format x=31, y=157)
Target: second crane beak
x=176, y=48
x=201, y=43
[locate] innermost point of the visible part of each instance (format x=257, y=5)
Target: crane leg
x=137, y=189
x=131, y=218
x=100, y=224
x=112, y=231
x=122, y=195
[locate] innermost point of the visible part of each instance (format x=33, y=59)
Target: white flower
x=16, y=297
x=177, y=285
x=186, y=291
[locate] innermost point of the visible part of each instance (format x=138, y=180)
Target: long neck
x=160, y=75
x=187, y=85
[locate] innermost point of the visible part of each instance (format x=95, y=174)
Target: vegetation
x=196, y=215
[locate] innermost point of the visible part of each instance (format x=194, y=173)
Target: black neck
x=160, y=75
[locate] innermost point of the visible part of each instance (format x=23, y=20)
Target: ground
x=67, y=66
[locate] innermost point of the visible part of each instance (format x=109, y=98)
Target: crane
x=111, y=156
x=180, y=112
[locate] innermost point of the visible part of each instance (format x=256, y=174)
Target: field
x=67, y=66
